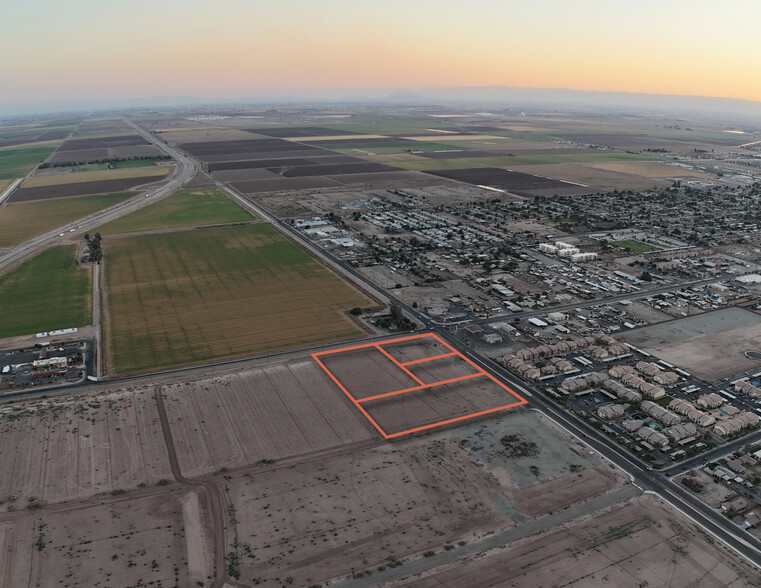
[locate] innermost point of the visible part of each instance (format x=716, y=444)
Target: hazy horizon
x=84, y=52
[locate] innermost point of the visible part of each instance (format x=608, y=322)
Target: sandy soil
x=641, y=543
x=124, y=541
x=64, y=449
x=328, y=517
x=268, y=413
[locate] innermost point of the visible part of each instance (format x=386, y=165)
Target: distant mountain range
x=492, y=97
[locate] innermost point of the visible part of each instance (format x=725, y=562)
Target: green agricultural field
x=45, y=293
x=16, y=162
x=20, y=221
x=194, y=296
x=635, y=246
x=507, y=161
x=184, y=208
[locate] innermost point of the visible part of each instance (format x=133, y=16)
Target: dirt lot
x=713, y=493
x=322, y=519
x=192, y=296
x=196, y=135
x=158, y=539
x=401, y=399
x=289, y=131
x=640, y=543
x=711, y=346
x=327, y=157
x=252, y=415
x=63, y=449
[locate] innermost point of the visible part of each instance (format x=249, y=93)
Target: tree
x=646, y=277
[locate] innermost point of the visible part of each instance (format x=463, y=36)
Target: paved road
x=185, y=169
x=494, y=541
x=643, y=477
x=646, y=479
x=710, y=455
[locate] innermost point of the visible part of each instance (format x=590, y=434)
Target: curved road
x=185, y=170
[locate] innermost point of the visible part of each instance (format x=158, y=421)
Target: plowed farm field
x=193, y=296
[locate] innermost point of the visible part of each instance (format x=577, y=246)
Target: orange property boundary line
x=402, y=366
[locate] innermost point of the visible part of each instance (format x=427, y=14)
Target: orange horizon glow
x=82, y=49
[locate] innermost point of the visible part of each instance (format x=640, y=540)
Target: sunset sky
x=88, y=49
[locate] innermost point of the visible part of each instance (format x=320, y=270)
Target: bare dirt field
x=95, y=176
x=196, y=135
x=269, y=413
x=511, y=181
x=62, y=449
x=324, y=519
x=87, y=188
x=84, y=155
x=405, y=397
x=157, y=538
x=192, y=296
x=103, y=142
x=711, y=346
x=640, y=543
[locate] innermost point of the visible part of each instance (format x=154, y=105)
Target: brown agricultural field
x=202, y=134
x=64, y=449
x=95, y=176
x=193, y=296
x=639, y=543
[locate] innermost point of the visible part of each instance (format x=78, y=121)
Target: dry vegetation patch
x=640, y=543
x=63, y=449
x=128, y=541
